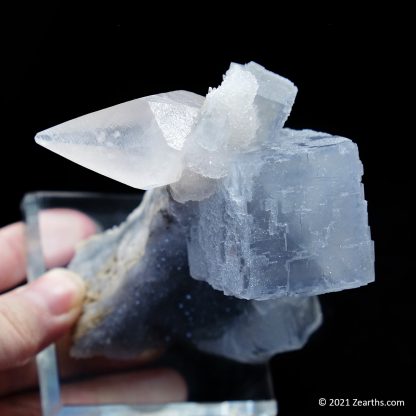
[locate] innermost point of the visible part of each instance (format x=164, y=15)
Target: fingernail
x=61, y=290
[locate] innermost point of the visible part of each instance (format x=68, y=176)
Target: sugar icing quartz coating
x=236, y=205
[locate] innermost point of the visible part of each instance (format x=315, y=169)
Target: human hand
x=36, y=314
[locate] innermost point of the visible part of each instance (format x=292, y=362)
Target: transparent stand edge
x=47, y=365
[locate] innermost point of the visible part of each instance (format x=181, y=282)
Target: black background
x=351, y=82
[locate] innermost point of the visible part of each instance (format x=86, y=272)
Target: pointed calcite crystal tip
x=137, y=143
x=244, y=223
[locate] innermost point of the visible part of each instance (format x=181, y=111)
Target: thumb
x=34, y=315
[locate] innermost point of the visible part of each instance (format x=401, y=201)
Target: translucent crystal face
x=137, y=143
x=288, y=220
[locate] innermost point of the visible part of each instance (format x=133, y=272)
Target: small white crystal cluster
x=236, y=205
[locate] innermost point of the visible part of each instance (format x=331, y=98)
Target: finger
x=12, y=255
x=69, y=366
x=36, y=314
x=137, y=387
x=25, y=377
x=61, y=230
x=141, y=387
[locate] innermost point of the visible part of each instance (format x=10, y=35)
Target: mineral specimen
x=156, y=302
x=244, y=221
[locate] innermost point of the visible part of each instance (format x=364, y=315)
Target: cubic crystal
x=289, y=219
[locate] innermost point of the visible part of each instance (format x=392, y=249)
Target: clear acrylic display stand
x=216, y=386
